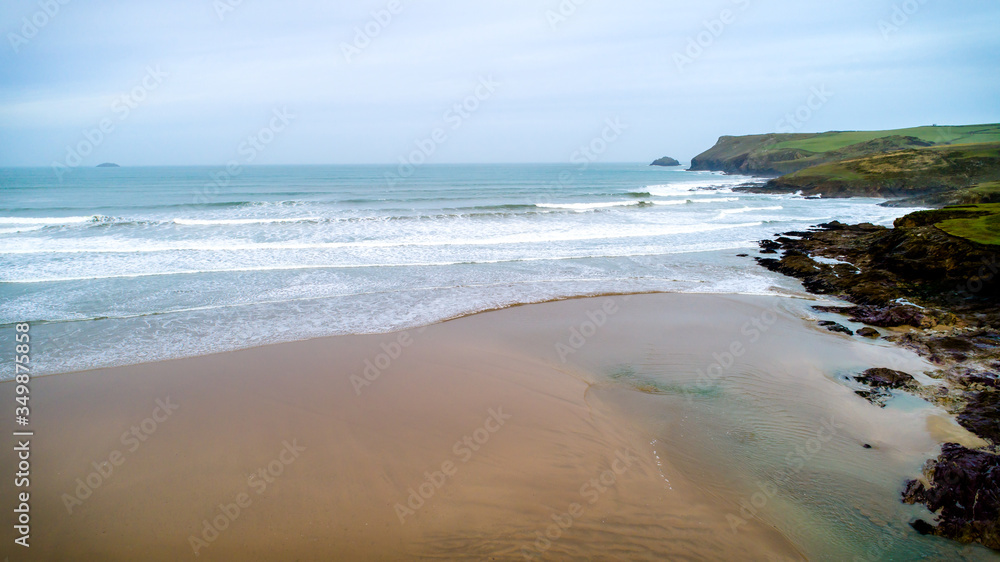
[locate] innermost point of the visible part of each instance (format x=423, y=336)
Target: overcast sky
x=221, y=68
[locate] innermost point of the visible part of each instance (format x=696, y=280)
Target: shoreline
x=572, y=419
x=934, y=293
x=779, y=292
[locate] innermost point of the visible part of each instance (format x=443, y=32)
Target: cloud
x=559, y=82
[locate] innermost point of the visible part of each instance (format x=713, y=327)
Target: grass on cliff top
x=988, y=187
x=825, y=142
x=929, y=161
x=983, y=229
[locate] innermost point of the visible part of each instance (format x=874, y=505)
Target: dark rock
x=835, y=309
x=877, y=396
x=922, y=527
x=867, y=446
x=797, y=264
x=665, y=161
x=991, y=382
x=867, y=332
x=886, y=378
x=769, y=247
x=888, y=317
x=742, y=255
x=965, y=493
x=880, y=382
x=835, y=327
x=982, y=415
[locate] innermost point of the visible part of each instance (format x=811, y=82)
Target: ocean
x=117, y=266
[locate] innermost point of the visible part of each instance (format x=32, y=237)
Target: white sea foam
x=749, y=210
x=47, y=221
x=699, y=200
x=691, y=248
x=588, y=206
x=114, y=246
x=228, y=222
x=21, y=229
x=684, y=187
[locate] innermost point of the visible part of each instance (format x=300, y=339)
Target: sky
x=204, y=82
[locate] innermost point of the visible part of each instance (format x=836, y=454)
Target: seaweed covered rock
x=981, y=415
x=886, y=378
x=836, y=327
x=867, y=332
x=881, y=382
x=964, y=490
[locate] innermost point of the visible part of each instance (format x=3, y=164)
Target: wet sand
x=583, y=429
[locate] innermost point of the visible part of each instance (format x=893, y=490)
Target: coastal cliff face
x=938, y=172
x=934, y=280
x=776, y=154
x=751, y=155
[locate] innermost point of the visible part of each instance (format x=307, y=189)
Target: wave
x=722, y=245
x=215, y=222
x=21, y=229
x=523, y=238
x=50, y=221
x=679, y=188
x=701, y=200
x=589, y=206
x=749, y=210
x=10, y=225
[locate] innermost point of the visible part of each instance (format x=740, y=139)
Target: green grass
x=834, y=140
x=987, y=188
x=983, y=229
x=831, y=171
x=929, y=161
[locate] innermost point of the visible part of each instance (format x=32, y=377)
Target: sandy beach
x=650, y=427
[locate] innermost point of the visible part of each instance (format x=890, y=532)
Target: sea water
x=114, y=266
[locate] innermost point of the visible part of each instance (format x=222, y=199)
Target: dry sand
x=621, y=444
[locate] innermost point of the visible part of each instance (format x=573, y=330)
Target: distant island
x=108, y=165
x=665, y=161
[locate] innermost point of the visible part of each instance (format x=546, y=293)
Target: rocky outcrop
x=881, y=265
x=963, y=488
x=886, y=378
x=666, y=161
x=881, y=382
x=108, y=165
x=938, y=295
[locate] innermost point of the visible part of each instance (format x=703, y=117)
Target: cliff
x=778, y=154
x=925, y=175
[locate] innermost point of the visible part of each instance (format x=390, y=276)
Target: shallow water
x=776, y=428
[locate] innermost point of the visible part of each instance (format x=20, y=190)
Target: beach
x=656, y=426
x=580, y=281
